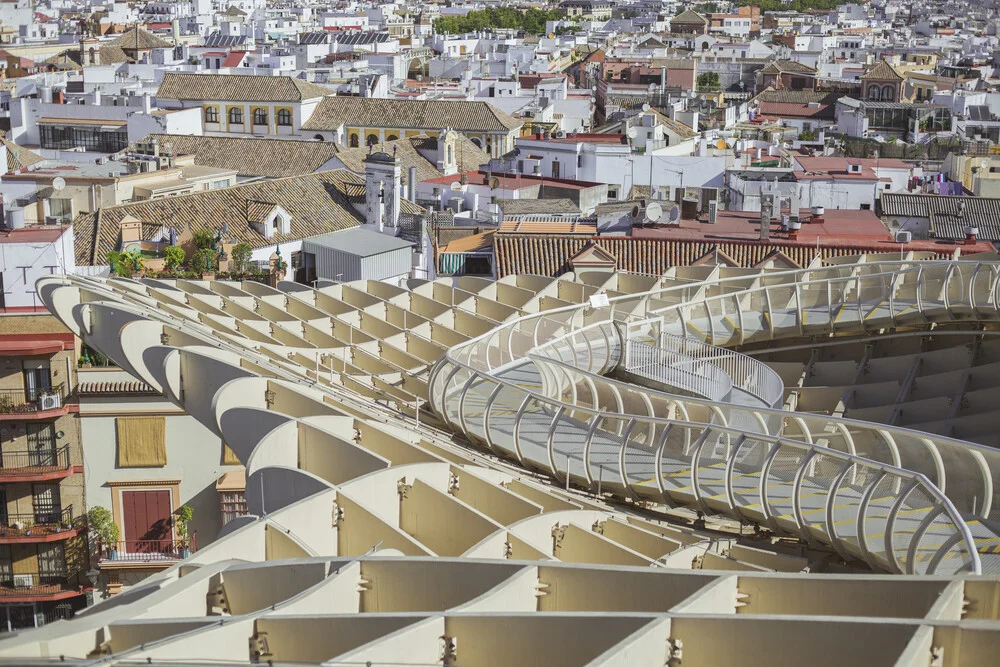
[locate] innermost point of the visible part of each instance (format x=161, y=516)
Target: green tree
x=531, y=21
x=174, y=257
x=203, y=238
x=204, y=259
x=102, y=526
x=709, y=81
x=241, y=257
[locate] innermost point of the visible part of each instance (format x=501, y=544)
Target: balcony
x=39, y=526
x=35, y=466
x=145, y=553
x=36, y=586
x=41, y=403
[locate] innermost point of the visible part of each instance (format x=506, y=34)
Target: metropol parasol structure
x=601, y=468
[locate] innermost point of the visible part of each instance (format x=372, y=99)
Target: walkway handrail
x=497, y=348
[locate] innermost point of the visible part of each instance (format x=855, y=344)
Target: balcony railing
x=146, y=551
x=40, y=523
x=33, y=583
x=27, y=401
x=38, y=460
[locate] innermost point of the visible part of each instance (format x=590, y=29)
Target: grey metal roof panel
x=314, y=38
x=218, y=39
x=359, y=241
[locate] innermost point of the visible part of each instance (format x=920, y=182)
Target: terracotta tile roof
x=792, y=110
x=18, y=157
x=112, y=388
x=238, y=88
x=549, y=255
x=689, y=16
x=419, y=152
x=138, y=39
x=551, y=226
x=534, y=206
x=790, y=66
x=317, y=203
x=271, y=158
x=795, y=96
x=882, y=71
x=460, y=115
x=70, y=58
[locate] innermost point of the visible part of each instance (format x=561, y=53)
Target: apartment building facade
x=44, y=555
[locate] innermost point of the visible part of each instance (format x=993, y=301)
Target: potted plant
x=104, y=529
x=27, y=527
x=182, y=519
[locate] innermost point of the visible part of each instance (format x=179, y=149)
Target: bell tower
x=382, y=191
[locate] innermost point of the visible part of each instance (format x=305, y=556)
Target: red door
x=146, y=515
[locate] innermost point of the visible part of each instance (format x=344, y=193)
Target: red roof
x=46, y=234
x=234, y=59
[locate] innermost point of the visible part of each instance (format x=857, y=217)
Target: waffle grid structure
x=621, y=488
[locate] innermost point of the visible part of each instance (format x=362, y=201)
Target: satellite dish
x=631, y=133
x=58, y=183
x=494, y=183
x=674, y=214
x=653, y=212
x=133, y=247
x=721, y=144
x=456, y=185
x=645, y=107
x=635, y=211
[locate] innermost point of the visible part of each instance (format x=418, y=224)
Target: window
x=61, y=209
x=211, y=115
x=392, y=137
x=354, y=141
x=222, y=183
x=260, y=116
x=41, y=443
x=232, y=504
x=555, y=169
x=46, y=503
x=284, y=117
x=372, y=140
x=37, y=379
x=142, y=442
x=866, y=207
x=236, y=116
x=51, y=563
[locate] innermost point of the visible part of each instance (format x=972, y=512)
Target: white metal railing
x=872, y=295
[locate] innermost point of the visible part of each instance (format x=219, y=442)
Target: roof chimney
x=970, y=235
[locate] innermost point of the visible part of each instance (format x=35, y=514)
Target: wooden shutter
x=229, y=457
x=142, y=442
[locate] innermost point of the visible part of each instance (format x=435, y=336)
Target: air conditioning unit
x=24, y=580
x=52, y=220
x=904, y=237
x=49, y=402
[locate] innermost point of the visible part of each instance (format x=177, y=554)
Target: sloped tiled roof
x=317, y=203
x=791, y=66
x=138, y=39
x=460, y=115
x=689, y=16
x=882, y=71
x=949, y=216
x=549, y=255
x=238, y=88
x=271, y=158
x=407, y=151
x=795, y=96
x=531, y=206
x=115, y=388
x=70, y=58
x=18, y=157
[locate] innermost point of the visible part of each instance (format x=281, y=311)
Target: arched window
x=319, y=137
x=92, y=53
x=887, y=92
x=236, y=116
x=260, y=116
x=371, y=140
x=392, y=137
x=477, y=142
x=874, y=93
x=284, y=117
x=211, y=115
x=354, y=141
x=451, y=153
